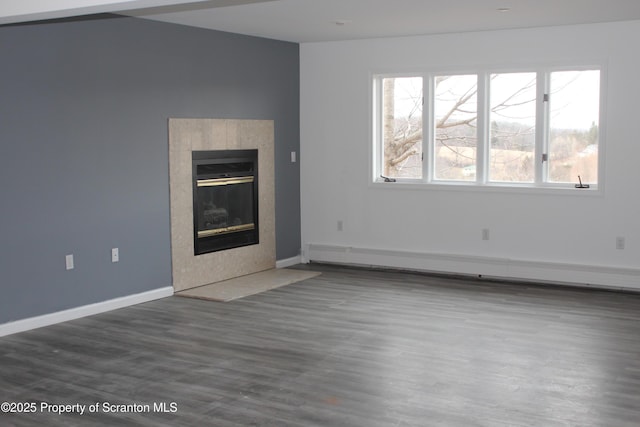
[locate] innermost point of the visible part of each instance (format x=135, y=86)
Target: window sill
x=524, y=189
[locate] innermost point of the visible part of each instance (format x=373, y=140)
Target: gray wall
x=84, y=153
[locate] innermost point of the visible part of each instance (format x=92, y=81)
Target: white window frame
x=540, y=183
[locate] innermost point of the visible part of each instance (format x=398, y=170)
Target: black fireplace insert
x=225, y=199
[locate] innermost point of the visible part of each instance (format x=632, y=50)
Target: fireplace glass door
x=225, y=199
x=226, y=206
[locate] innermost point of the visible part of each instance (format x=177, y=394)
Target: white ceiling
x=327, y=20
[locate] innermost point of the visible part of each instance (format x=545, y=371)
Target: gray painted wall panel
x=84, y=155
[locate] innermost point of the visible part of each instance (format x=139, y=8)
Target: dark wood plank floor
x=351, y=347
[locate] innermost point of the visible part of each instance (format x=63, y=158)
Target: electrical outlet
x=69, y=262
x=115, y=255
x=485, y=234
x=620, y=242
x=293, y=157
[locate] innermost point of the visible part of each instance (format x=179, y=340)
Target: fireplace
x=225, y=199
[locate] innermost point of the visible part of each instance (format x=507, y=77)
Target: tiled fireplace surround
x=187, y=135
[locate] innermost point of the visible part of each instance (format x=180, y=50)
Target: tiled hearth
x=187, y=135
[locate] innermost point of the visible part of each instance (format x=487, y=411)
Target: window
x=512, y=127
x=531, y=128
x=455, y=117
x=573, y=126
x=402, y=127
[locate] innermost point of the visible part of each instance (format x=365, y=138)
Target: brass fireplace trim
x=224, y=181
x=226, y=230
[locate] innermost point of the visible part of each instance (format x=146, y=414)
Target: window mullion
x=378, y=167
x=482, y=154
x=542, y=128
x=428, y=133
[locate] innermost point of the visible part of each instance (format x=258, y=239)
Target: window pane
x=455, y=113
x=574, y=111
x=402, y=127
x=512, y=127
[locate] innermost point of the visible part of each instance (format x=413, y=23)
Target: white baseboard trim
x=490, y=267
x=288, y=262
x=83, y=311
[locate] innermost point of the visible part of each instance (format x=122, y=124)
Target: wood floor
x=351, y=347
